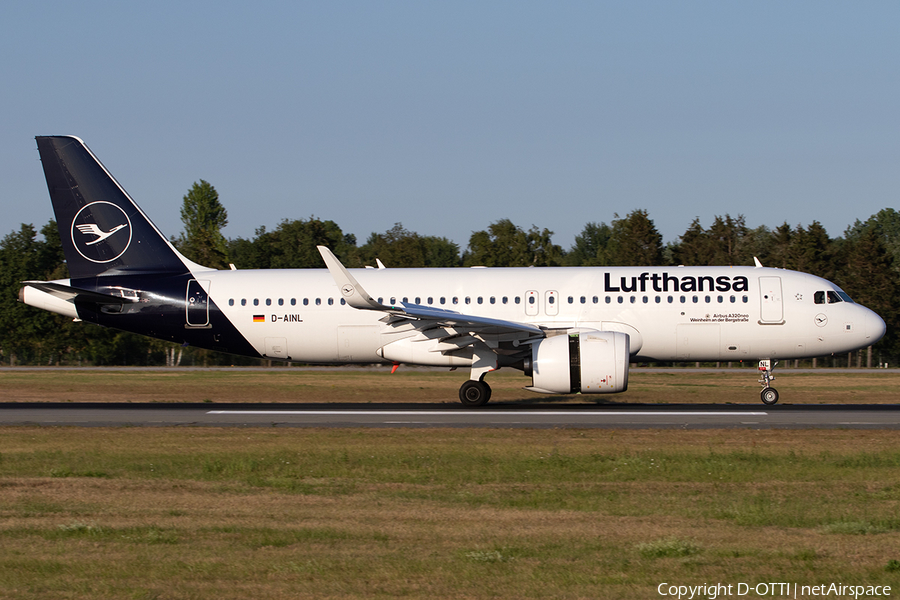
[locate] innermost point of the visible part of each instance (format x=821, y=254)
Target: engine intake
x=590, y=362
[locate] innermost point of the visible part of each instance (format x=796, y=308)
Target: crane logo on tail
x=101, y=232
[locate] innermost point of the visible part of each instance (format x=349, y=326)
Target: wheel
x=769, y=396
x=474, y=393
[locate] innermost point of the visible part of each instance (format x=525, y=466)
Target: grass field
x=428, y=385
x=437, y=513
x=200, y=513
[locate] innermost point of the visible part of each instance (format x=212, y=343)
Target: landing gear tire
x=769, y=396
x=474, y=393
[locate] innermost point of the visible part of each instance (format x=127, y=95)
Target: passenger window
x=583, y=300
x=430, y=300
x=646, y=299
x=281, y=302
x=517, y=299
x=380, y=300
x=745, y=299
x=405, y=300
x=551, y=300
x=530, y=299
x=318, y=302
x=707, y=299
x=571, y=300
x=443, y=300
x=658, y=299
x=671, y=299
x=306, y=302
x=695, y=299
x=621, y=300
x=330, y=301
x=231, y=302
x=596, y=300
x=480, y=300
x=493, y=300
x=468, y=300
x=721, y=299
x=268, y=302
x=343, y=302
x=632, y=299
x=394, y=301
x=683, y=299
x=455, y=300
x=732, y=299
x=256, y=302
x=243, y=302
x=293, y=302
x=418, y=300
x=505, y=300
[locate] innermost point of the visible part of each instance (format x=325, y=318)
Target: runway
x=749, y=416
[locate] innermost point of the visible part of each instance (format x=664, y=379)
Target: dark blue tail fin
x=101, y=228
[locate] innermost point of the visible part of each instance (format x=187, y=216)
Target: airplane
x=570, y=329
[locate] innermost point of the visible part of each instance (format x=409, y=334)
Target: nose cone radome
x=875, y=327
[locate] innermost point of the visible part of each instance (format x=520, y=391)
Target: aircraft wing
x=448, y=318
x=427, y=317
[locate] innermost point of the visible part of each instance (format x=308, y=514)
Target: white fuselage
x=670, y=313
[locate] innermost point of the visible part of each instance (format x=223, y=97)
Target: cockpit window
x=831, y=296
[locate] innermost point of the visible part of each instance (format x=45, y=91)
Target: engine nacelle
x=590, y=362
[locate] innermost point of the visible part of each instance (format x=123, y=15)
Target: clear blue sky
x=449, y=116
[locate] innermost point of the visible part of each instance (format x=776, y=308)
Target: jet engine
x=586, y=361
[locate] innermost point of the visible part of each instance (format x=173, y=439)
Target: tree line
x=864, y=261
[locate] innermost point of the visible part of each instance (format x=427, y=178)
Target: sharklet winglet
x=351, y=291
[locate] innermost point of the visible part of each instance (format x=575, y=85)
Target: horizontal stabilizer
x=70, y=294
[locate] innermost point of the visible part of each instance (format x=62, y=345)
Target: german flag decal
x=259, y=318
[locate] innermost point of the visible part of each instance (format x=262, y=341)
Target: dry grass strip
x=377, y=385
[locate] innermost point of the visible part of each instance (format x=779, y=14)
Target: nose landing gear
x=768, y=395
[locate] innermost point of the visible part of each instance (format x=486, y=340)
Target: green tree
x=812, y=251
x=693, y=248
x=635, y=240
x=780, y=248
x=591, y=247
x=399, y=247
x=506, y=245
x=29, y=334
x=868, y=274
x=203, y=217
x=291, y=245
x=887, y=224
x=726, y=242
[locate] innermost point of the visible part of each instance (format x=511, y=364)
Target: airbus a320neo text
x=570, y=329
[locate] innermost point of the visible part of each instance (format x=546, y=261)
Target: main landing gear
x=475, y=393
x=768, y=395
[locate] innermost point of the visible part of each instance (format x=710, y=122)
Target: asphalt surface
x=500, y=415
